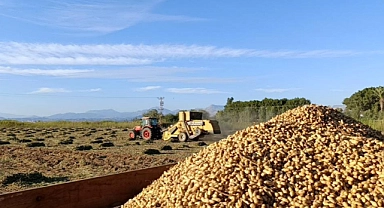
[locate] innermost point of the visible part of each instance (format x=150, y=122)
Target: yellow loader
x=191, y=126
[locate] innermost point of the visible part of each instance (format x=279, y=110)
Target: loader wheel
x=183, y=137
x=197, y=132
x=146, y=134
x=132, y=135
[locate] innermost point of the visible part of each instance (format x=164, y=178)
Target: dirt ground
x=65, y=157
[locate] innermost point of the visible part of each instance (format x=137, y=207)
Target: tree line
x=239, y=114
x=367, y=103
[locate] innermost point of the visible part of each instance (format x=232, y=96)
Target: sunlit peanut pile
x=311, y=156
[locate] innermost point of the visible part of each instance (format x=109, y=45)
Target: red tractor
x=148, y=130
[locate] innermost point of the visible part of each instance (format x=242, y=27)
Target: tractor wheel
x=146, y=133
x=132, y=134
x=183, y=137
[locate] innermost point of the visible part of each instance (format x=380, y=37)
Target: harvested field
x=39, y=157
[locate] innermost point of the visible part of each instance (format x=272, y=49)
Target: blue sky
x=79, y=55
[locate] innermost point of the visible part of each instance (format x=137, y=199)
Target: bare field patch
x=78, y=153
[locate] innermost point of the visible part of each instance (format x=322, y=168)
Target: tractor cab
x=151, y=122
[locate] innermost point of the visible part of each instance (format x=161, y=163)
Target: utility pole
x=161, y=108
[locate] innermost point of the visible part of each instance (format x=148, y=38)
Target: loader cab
x=196, y=115
x=190, y=115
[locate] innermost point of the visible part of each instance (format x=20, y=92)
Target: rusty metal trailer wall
x=100, y=192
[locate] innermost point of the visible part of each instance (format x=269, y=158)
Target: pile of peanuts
x=311, y=156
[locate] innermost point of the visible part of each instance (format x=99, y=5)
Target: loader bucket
x=215, y=128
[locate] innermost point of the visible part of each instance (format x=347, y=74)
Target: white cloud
x=193, y=91
x=98, y=17
x=176, y=78
x=41, y=72
x=148, y=74
x=13, y=53
x=46, y=90
x=276, y=90
x=91, y=90
x=148, y=88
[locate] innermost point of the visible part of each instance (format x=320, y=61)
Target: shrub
x=107, y=144
x=201, y=144
x=36, y=144
x=166, y=147
x=66, y=141
x=25, y=140
x=151, y=152
x=30, y=178
x=4, y=142
x=83, y=147
x=96, y=142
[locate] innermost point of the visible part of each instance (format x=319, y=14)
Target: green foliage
x=4, y=142
x=153, y=113
x=166, y=147
x=240, y=114
x=12, y=124
x=83, y=147
x=170, y=118
x=107, y=144
x=30, y=178
x=25, y=140
x=66, y=141
x=365, y=103
x=36, y=144
x=375, y=124
x=151, y=152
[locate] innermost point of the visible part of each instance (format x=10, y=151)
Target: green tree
x=153, y=113
x=366, y=102
x=239, y=114
x=170, y=118
x=229, y=100
x=380, y=94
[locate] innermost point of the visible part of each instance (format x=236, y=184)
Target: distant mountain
x=100, y=115
x=213, y=109
x=92, y=115
x=75, y=116
x=339, y=106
